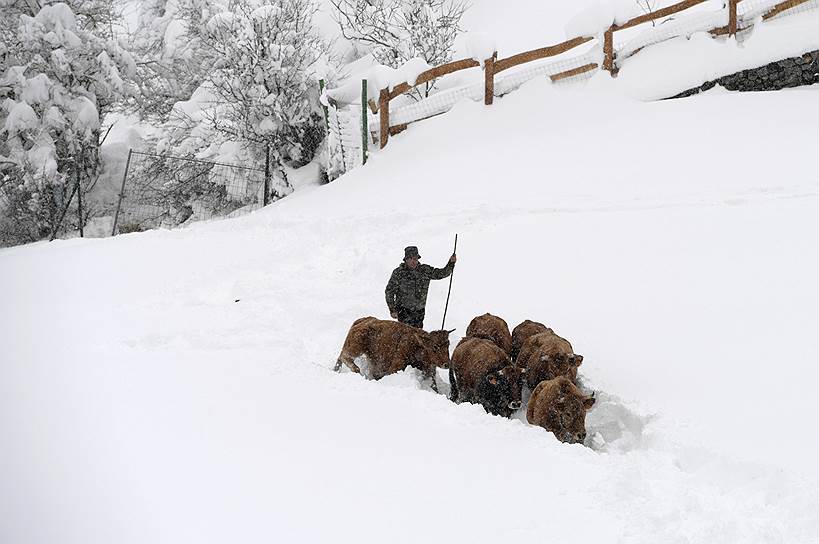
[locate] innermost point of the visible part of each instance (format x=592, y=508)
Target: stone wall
x=791, y=72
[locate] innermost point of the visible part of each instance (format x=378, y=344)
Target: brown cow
x=560, y=407
x=547, y=356
x=522, y=332
x=390, y=347
x=482, y=373
x=493, y=328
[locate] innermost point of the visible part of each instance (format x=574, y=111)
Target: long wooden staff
x=450, y=284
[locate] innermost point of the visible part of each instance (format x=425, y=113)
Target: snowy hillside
x=180, y=390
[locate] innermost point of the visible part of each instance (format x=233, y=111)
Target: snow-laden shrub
x=60, y=77
x=260, y=90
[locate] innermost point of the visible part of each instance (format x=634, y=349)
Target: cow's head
x=500, y=391
x=568, y=413
x=562, y=365
x=435, y=347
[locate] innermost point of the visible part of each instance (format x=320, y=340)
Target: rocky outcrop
x=791, y=72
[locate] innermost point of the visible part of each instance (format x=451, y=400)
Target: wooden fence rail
x=493, y=66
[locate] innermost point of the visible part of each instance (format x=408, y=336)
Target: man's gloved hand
x=453, y=258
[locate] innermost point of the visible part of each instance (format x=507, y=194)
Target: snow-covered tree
x=62, y=74
x=173, y=62
x=399, y=30
x=262, y=89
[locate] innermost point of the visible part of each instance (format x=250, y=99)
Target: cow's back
x=473, y=359
x=558, y=351
x=544, y=343
x=522, y=332
x=493, y=328
x=389, y=345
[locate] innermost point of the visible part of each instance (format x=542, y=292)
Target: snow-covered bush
x=397, y=31
x=258, y=98
x=60, y=78
x=174, y=63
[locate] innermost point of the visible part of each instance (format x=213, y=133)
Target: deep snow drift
x=176, y=386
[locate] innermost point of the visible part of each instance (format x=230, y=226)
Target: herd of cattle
x=490, y=366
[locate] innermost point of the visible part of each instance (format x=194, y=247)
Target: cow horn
x=593, y=392
x=451, y=331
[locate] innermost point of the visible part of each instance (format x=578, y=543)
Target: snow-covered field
x=176, y=387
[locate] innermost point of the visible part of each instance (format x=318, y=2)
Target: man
x=407, y=289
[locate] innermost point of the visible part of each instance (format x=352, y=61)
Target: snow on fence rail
x=737, y=17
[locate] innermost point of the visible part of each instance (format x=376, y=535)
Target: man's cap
x=411, y=251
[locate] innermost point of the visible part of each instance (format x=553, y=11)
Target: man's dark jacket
x=408, y=288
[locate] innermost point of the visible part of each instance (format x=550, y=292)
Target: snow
x=221, y=22
x=86, y=118
x=699, y=59
x=21, y=117
x=42, y=157
x=265, y=13
x=57, y=15
x=378, y=77
x=476, y=46
x=36, y=89
x=174, y=33
x=183, y=391
x=594, y=19
x=174, y=386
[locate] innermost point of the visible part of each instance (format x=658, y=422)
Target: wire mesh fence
x=674, y=26
x=346, y=148
x=769, y=9
x=505, y=83
x=163, y=191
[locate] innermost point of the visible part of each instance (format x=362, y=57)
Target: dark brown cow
x=560, y=407
x=522, y=332
x=390, y=347
x=482, y=373
x=547, y=356
x=493, y=328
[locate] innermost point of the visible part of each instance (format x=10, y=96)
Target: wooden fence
x=493, y=66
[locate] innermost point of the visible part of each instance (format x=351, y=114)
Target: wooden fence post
x=732, y=17
x=384, y=115
x=608, y=50
x=489, y=78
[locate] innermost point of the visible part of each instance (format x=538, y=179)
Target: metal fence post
x=121, y=193
x=365, y=130
x=323, y=107
x=266, y=199
x=79, y=200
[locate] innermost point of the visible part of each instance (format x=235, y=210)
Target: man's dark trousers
x=411, y=317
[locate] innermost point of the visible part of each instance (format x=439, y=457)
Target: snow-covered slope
x=176, y=386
